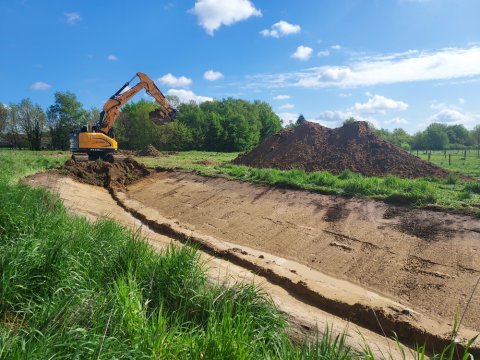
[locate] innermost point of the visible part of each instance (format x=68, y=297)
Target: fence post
x=445, y=154
x=429, y=156
x=449, y=159
x=465, y=154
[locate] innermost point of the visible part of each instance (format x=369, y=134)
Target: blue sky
x=396, y=63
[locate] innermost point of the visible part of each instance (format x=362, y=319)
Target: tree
x=173, y=100
x=400, y=136
x=93, y=115
x=3, y=117
x=134, y=129
x=476, y=135
x=64, y=116
x=350, y=120
x=458, y=134
x=301, y=119
x=32, y=122
x=12, y=127
x=436, y=137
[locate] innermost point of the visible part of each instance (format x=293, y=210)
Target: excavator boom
x=111, y=109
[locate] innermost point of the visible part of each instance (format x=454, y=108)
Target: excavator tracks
x=80, y=157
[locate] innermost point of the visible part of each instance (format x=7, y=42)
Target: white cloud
x=281, y=97
x=112, y=57
x=345, y=94
x=73, y=17
x=212, y=14
x=211, y=75
x=170, y=80
x=451, y=116
x=39, y=85
x=287, y=117
x=302, y=53
x=379, y=104
x=411, y=66
x=323, y=53
x=396, y=121
x=281, y=28
x=336, y=47
x=461, y=101
x=187, y=96
x=287, y=106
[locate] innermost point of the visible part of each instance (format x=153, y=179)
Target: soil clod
x=149, y=150
x=108, y=175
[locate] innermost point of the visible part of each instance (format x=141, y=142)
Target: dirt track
x=425, y=259
x=305, y=237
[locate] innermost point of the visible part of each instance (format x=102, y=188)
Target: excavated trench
x=383, y=268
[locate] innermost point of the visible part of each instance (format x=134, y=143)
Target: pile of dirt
x=100, y=173
x=354, y=146
x=150, y=150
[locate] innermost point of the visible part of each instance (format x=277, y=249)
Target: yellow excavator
x=95, y=141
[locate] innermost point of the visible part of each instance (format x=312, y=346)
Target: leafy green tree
x=32, y=122
x=174, y=136
x=134, y=129
x=350, y=120
x=12, y=127
x=3, y=117
x=476, y=135
x=458, y=134
x=301, y=119
x=436, y=137
x=93, y=115
x=64, y=116
x=226, y=125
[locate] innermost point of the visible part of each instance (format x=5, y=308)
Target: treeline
x=226, y=125
x=435, y=137
x=27, y=125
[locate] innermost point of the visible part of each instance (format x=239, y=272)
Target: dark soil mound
x=355, y=147
x=150, y=150
x=105, y=174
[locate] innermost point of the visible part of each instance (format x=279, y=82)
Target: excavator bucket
x=158, y=117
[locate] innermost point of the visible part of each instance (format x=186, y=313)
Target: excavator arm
x=111, y=109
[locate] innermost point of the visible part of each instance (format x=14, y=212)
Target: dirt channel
x=424, y=259
x=365, y=261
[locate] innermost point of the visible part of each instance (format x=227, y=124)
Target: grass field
x=469, y=165
x=451, y=194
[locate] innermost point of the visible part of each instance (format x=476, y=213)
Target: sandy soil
x=365, y=261
x=426, y=260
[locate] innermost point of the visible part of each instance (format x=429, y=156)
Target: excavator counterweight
x=98, y=140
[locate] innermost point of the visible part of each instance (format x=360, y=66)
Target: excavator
x=95, y=141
